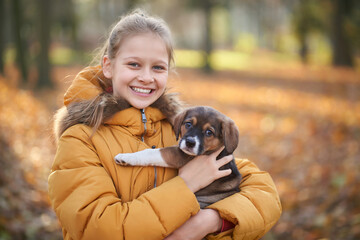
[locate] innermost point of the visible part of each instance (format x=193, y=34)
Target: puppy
x=203, y=130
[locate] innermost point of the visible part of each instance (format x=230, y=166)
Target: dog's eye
x=188, y=125
x=209, y=133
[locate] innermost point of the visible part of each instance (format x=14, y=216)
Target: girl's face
x=139, y=71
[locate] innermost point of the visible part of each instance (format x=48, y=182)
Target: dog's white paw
x=124, y=159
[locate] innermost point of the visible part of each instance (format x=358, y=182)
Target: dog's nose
x=190, y=142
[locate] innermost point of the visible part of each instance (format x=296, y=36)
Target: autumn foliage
x=302, y=125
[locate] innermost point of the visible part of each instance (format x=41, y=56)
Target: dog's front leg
x=171, y=157
x=147, y=157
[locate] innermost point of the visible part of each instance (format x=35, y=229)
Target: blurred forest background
x=286, y=71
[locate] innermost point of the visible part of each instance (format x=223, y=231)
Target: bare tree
x=44, y=27
x=21, y=54
x=341, y=44
x=207, y=6
x=2, y=35
x=306, y=20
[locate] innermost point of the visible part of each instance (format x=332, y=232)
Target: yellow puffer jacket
x=96, y=199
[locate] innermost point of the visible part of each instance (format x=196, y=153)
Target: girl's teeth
x=141, y=90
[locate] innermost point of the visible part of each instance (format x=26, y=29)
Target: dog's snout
x=190, y=145
x=190, y=142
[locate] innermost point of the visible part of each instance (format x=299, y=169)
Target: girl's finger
x=224, y=173
x=217, y=152
x=222, y=161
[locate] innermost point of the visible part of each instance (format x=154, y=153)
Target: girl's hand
x=198, y=226
x=203, y=170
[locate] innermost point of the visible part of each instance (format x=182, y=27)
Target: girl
x=121, y=106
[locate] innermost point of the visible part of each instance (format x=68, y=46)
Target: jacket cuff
x=226, y=225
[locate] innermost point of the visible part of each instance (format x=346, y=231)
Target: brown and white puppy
x=203, y=130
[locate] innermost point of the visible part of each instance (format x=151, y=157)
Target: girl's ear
x=107, y=69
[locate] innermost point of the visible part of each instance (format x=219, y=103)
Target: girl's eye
x=188, y=125
x=133, y=64
x=159, y=67
x=209, y=133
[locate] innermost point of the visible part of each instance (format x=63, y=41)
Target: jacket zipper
x=144, y=121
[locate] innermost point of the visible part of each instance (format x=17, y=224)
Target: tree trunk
x=19, y=39
x=73, y=23
x=304, y=49
x=2, y=35
x=44, y=67
x=342, y=49
x=208, y=35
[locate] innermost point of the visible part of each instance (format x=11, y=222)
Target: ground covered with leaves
x=300, y=124
x=26, y=152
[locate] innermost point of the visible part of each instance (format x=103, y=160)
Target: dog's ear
x=230, y=134
x=178, y=120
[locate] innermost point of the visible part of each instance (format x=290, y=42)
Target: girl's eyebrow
x=138, y=58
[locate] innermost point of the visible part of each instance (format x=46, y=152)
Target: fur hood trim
x=100, y=109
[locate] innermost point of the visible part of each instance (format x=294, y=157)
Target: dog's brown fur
x=225, y=133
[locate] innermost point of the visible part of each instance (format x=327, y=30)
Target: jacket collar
x=131, y=119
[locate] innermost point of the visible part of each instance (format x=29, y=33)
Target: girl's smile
x=141, y=90
x=139, y=70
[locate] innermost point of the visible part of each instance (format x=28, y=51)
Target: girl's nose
x=146, y=76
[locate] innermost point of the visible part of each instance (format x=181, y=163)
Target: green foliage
x=220, y=26
x=189, y=58
x=246, y=43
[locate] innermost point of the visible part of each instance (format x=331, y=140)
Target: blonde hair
x=136, y=22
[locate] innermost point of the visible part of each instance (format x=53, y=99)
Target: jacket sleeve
x=88, y=207
x=255, y=209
